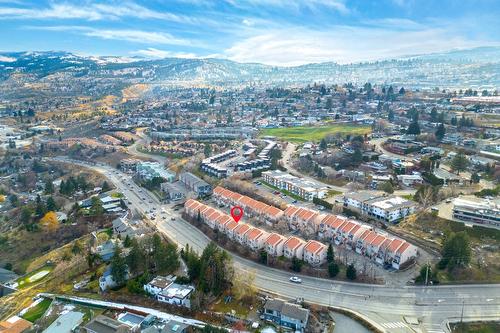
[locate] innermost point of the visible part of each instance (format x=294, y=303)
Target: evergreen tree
x=474, y=178
x=413, y=128
x=136, y=258
x=330, y=257
x=351, y=272
x=387, y=187
x=434, y=114
x=127, y=242
x=118, y=267
x=390, y=115
x=296, y=264
x=49, y=187
x=51, y=204
x=456, y=250
x=323, y=145
x=105, y=186
x=459, y=162
x=440, y=132
x=333, y=269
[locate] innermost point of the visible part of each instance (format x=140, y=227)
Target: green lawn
x=290, y=194
x=34, y=276
x=482, y=327
x=303, y=134
x=36, y=312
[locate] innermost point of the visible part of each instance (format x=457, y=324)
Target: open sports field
x=303, y=134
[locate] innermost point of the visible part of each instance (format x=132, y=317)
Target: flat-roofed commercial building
x=477, y=210
x=305, y=189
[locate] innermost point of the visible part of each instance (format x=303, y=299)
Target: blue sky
x=276, y=32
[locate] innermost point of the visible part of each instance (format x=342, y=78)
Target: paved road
x=386, y=306
x=144, y=141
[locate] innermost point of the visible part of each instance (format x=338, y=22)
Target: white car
x=295, y=279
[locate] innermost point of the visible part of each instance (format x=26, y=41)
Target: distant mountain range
x=477, y=68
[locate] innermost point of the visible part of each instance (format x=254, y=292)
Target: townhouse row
x=252, y=207
x=339, y=230
x=352, y=235
x=312, y=252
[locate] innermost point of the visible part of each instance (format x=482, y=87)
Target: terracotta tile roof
x=338, y=223
x=403, y=247
x=364, y=234
x=293, y=243
x=242, y=229
x=215, y=215
x=395, y=244
x=327, y=219
x=291, y=211
x=223, y=219
x=385, y=244
x=255, y=233
x=273, y=211
x=274, y=239
x=189, y=202
x=378, y=241
x=218, y=190
x=370, y=237
x=231, y=225
x=347, y=227
x=315, y=247
x=355, y=229
x=207, y=212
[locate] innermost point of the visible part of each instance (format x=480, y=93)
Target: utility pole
x=427, y=273
x=462, y=314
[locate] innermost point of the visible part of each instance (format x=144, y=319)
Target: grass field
x=483, y=327
x=290, y=194
x=37, y=311
x=303, y=134
x=34, y=276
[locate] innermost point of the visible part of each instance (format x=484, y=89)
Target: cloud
x=92, y=12
x=296, y=5
x=129, y=35
x=151, y=52
x=343, y=44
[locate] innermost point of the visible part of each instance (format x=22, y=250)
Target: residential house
x=106, y=280
x=403, y=254
x=315, y=253
x=256, y=238
x=381, y=207
x=240, y=231
x=14, y=324
x=305, y=189
x=176, y=294
x=294, y=247
x=159, y=283
x=65, y=323
x=101, y=324
x=174, y=191
x=274, y=244
x=150, y=170
x=195, y=184
x=286, y=314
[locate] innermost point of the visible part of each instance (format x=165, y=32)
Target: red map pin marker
x=236, y=213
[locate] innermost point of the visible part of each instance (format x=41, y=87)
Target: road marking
x=397, y=324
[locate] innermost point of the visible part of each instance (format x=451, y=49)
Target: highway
x=390, y=308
